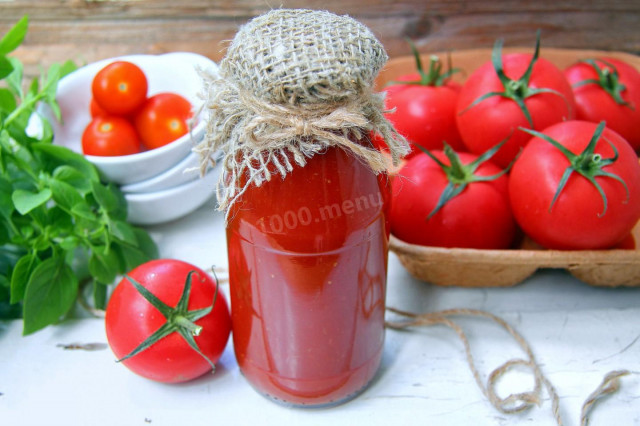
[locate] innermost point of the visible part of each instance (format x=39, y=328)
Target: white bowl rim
x=169, y=174
x=147, y=196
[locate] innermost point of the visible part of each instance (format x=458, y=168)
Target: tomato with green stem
x=110, y=136
x=576, y=185
x=120, y=88
x=509, y=92
x=608, y=89
x=167, y=321
x=450, y=199
x=422, y=106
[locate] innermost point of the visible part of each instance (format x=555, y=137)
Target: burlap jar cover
x=294, y=82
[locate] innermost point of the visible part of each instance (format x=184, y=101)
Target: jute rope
x=292, y=84
x=513, y=403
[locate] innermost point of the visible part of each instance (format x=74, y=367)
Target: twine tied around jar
x=293, y=83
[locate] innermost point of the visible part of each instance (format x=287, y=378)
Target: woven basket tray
x=501, y=268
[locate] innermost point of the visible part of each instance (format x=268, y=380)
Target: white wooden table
x=578, y=334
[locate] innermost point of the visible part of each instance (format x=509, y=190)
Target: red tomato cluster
x=125, y=120
x=551, y=154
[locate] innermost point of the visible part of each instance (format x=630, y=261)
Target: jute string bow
x=292, y=84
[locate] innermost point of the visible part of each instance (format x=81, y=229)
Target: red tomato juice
x=307, y=270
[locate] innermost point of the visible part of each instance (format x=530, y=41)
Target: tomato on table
x=162, y=119
x=608, y=89
x=423, y=106
x=193, y=316
x=576, y=185
x=120, y=88
x=110, y=136
x=511, y=91
x=452, y=200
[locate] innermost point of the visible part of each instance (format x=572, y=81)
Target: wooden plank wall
x=88, y=30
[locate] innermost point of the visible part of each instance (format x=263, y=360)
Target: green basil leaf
x=50, y=89
x=13, y=38
x=73, y=177
x=123, y=231
x=59, y=221
x=47, y=132
x=25, y=201
x=5, y=233
x=17, y=128
x=9, y=256
x=84, y=211
x=104, y=196
x=132, y=256
x=6, y=204
x=64, y=194
x=7, y=310
x=33, y=90
x=51, y=291
x=69, y=243
x=6, y=68
x=146, y=244
x=103, y=264
x=14, y=80
x=27, y=231
x=20, y=276
x=41, y=243
x=7, y=100
x=67, y=68
x=64, y=155
x=99, y=295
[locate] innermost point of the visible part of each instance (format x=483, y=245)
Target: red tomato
x=577, y=219
x=497, y=118
x=479, y=217
x=131, y=318
x=163, y=118
x=110, y=136
x=96, y=110
x=424, y=114
x=120, y=88
x=597, y=102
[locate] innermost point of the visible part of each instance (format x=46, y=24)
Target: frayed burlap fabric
x=293, y=82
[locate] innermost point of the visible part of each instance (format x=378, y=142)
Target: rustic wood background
x=88, y=30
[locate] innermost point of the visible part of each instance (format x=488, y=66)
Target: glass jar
x=307, y=271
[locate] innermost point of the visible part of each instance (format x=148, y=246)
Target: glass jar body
x=307, y=272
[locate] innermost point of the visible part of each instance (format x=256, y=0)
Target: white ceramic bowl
x=171, y=72
x=150, y=208
x=177, y=175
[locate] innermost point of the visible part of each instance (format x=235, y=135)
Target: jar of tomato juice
x=306, y=197
x=307, y=267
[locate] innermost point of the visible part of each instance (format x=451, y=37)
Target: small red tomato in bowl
x=449, y=199
x=120, y=88
x=110, y=136
x=95, y=109
x=167, y=321
x=163, y=118
x=608, y=89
